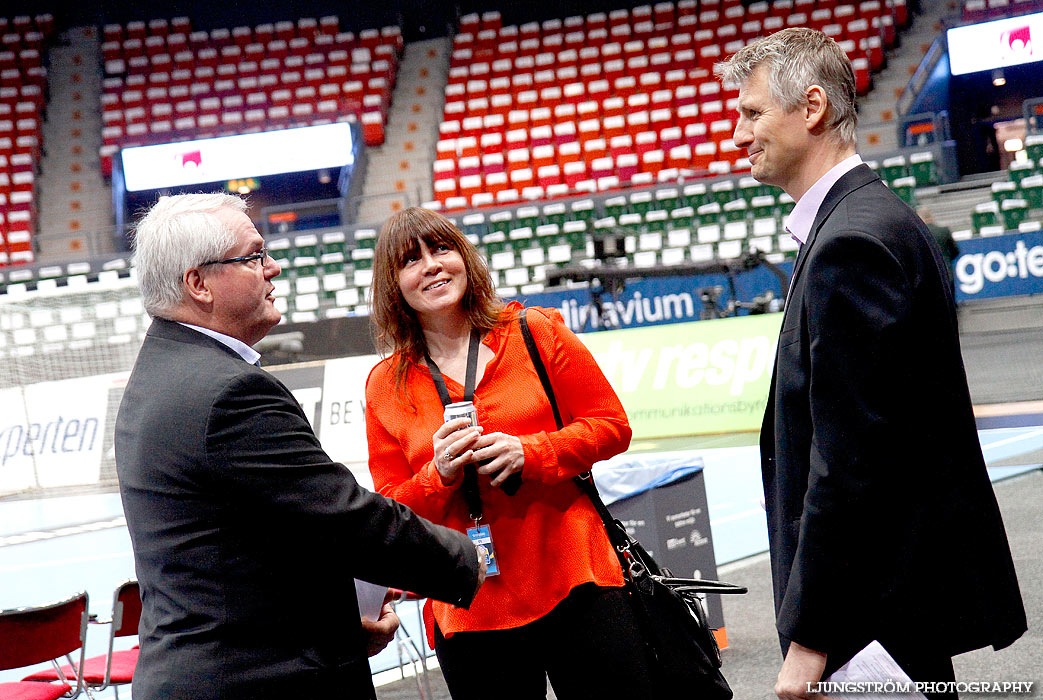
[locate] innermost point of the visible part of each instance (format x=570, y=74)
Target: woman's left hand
x=503, y=455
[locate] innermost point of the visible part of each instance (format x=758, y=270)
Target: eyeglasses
x=262, y=256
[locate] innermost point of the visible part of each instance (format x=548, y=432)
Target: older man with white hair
x=246, y=536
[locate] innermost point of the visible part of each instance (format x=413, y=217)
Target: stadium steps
x=878, y=116
x=398, y=174
x=75, y=202
x=952, y=204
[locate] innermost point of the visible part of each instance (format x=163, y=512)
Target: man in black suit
x=246, y=536
x=882, y=522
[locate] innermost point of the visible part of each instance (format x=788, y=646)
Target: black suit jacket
x=881, y=518
x=247, y=536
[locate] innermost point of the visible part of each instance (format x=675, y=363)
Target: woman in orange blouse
x=557, y=607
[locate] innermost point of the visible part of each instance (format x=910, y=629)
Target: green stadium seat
x=729, y=250
x=695, y=195
x=735, y=230
x=905, y=188
x=1034, y=147
x=666, y=198
x=527, y=216
x=701, y=252
x=365, y=238
x=657, y=220
x=762, y=206
x=985, y=214
x=1020, y=169
x=334, y=242
x=1014, y=212
x=922, y=168
x=362, y=259
x=503, y=260
x=709, y=213
x=672, y=256
x=494, y=242
x=736, y=210
x=576, y=234
x=519, y=239
x=641, y=202
x=682, y=217
x=786, y=204
x=630, y=221
x=502, y=221
x=281, y=251
x=708, y=233
x=532, y=256
x=616, y=207
x=549, y=234
x=1032, y=191
x=679, y=238
x=583, y=210
x=645, y=258
x=764, y=244
x=307, y=245
x=347, y=297
x=473, y=225
x=893, y=169
x=765, y=227
x=723, y=191
x=554, y=213
x=1002, y=191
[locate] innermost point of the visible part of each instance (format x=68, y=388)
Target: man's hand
x=380, y=633
x=802, y=666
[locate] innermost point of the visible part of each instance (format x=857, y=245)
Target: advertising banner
x=1000, y=266
x=691, y=378
x=52, y=433
x=342, y=426
x=654, y=301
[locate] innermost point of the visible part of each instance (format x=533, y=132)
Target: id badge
x=483, y=541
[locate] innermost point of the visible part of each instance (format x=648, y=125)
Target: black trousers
x=588, y=645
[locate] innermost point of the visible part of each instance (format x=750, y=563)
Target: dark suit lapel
x=852, y=180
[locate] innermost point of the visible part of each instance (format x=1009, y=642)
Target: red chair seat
x=30, y=690
x=123, y=663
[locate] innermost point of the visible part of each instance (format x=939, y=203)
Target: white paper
x=371, y=599
x=869, y=667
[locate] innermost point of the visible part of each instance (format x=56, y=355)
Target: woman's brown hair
x=395, y=325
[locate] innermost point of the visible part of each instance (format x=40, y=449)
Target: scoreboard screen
x=998, y=44
x=174, y=165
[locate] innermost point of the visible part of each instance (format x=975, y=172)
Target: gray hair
x=797, y=58
x=178, y=233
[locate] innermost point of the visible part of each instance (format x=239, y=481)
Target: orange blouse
x=548, y=537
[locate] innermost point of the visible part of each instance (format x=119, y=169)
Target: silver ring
x=448, y=456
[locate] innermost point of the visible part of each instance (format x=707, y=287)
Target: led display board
x=172, y=165
x=998, y=44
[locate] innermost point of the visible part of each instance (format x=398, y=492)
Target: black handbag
x=684, y=658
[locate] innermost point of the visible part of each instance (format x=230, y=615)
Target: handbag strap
x=616, y=533
x=628, y=550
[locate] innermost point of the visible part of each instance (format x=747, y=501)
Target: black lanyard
x=470, y=484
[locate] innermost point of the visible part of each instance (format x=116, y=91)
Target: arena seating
x=985, y=10
x=23, y=82
x=165, y=82
x=614, y=100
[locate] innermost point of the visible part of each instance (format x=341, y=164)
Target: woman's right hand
x=453, y=447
